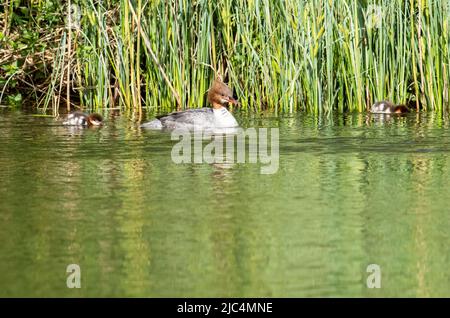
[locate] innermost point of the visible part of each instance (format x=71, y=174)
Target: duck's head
x=401, y=109
x=220, y=95
x=95, y=119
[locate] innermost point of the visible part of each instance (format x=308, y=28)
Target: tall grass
x=278, y=55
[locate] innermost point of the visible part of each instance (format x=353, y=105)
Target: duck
x=216, y=117
x=78, y=118
x=387, y=107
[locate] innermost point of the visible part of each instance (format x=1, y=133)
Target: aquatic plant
x=278, y=55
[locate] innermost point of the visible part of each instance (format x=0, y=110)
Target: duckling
x=387, y=107
x=219, y=96
x=78, y=118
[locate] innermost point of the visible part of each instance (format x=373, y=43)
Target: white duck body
x=205, y=118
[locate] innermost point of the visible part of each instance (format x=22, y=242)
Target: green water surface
x=350, y=191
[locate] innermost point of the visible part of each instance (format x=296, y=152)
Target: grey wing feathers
x=190, y=116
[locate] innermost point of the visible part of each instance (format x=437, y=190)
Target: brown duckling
x=387, y=107
x=78, y=118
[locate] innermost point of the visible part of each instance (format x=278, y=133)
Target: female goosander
x=386, y=107
x=81, y=119
x=217, y=117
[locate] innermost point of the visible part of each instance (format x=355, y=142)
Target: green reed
x=279, y=56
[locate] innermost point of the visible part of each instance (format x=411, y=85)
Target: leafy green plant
x=279, y=56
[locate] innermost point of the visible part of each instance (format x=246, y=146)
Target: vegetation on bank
x=278, y=55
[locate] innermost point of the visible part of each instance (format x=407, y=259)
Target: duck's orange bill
x=233, y=101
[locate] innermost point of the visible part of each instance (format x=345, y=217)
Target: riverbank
x=280, y=57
